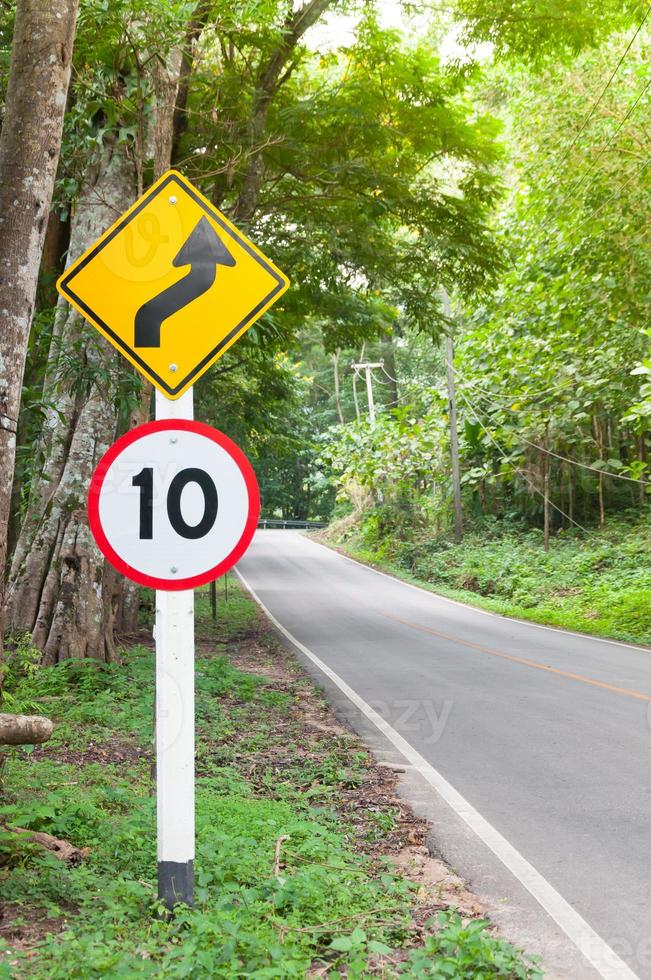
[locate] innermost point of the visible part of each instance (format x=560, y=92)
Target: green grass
x=598, y=583
x=329, y=904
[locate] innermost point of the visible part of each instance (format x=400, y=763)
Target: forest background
x=478, y=170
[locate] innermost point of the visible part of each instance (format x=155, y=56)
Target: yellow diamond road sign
x=172, y=284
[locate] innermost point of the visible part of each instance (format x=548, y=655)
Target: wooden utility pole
x=454, y=436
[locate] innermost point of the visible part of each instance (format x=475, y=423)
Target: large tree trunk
x=129, y=593
x=39, y=75
x=55, y=248
x=60, y=588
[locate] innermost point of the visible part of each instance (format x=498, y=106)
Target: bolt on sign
x=172, y=284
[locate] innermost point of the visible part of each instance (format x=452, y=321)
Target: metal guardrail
x=293, y=525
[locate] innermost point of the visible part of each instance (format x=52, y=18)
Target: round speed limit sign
x=173, y=504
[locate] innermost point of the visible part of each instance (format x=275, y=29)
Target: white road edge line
x=596, y=951
x=485, y=612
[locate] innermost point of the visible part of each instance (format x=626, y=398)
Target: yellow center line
x=522, y=660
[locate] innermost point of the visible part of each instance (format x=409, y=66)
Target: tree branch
x=192, y=34
x=270, y=78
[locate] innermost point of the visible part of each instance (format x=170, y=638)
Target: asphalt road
x=545, y=734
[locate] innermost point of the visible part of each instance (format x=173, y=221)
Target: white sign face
x=173, y=504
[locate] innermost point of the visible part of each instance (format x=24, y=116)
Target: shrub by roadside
x=597, y=583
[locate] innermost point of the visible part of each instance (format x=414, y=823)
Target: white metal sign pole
x=175, y=722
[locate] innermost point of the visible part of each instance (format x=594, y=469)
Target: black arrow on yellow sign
x=203, y=251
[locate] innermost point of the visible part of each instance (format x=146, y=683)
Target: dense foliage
x=550, y=366
x=599, y=584
x=365, y=171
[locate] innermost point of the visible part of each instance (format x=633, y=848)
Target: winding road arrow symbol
x=203, y=251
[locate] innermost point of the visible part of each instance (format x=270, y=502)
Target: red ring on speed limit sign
x=149, y=539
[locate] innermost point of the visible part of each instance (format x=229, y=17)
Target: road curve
x=545, y=734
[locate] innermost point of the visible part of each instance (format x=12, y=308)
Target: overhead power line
x=598, y=101
x=574, y=187
x=395, y=380
x=586, y=466
x=634, y=176
x=523, y=396
x=575, y=462
x=616, y=131
x=485, y=394
x=520, y=471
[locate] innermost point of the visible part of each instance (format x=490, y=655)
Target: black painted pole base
x=176, y=883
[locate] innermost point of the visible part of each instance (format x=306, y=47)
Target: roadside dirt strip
x=312, y=728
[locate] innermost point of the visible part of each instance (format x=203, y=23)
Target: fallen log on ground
x=24, y=729
x=62, y=849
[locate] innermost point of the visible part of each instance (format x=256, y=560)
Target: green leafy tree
x=546, y=363
x=542, y=30
x=367, y=174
